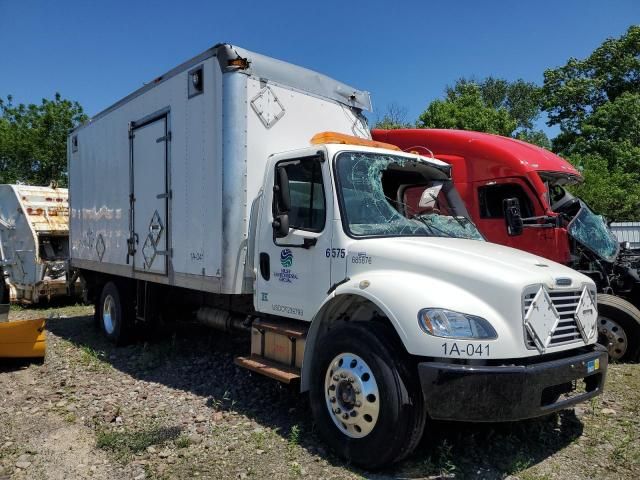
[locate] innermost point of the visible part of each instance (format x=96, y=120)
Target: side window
x=306, y=190
x=490, y=200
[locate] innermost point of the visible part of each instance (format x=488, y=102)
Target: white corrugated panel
x=627, y=232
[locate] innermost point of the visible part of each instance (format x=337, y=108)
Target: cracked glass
x=591, y=231
x=389, y=195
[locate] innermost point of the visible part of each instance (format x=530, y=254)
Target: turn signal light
x=341, y=138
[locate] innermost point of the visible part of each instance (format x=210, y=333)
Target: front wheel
x=365, y=397
x=619, y=327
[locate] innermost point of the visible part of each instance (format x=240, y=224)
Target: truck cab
x=374, y=248
x=489, y=170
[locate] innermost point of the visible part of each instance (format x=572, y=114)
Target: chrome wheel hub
x=352, y=396
x=613, y=336
x=108, y=312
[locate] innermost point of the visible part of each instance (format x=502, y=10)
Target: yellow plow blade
x=22, y=339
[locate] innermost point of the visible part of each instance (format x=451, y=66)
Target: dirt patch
x=177, y=407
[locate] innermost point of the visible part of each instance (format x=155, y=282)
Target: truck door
x=294, y=271
x=149, y=193
x=490, y=216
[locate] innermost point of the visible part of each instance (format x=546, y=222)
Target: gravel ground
x=177, y=407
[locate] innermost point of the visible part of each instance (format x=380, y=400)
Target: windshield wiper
x=432, y=227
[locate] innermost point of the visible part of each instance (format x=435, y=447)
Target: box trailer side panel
x=163, y=147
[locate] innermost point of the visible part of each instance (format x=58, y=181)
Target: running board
x=269, y=368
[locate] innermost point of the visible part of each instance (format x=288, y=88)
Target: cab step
x=291, y=328
x=269, y=368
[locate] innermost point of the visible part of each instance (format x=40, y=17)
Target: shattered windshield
x=388, y=195
x=591, y=231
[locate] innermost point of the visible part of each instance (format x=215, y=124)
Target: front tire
x=365, y=397
x=619, y=327
x=115, y=314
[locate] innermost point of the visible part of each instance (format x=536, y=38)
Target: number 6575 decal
x=335, y=253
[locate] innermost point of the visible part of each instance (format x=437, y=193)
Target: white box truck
x=34, y=244
x=353, y=264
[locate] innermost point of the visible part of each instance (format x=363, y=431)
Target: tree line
x=594, y=101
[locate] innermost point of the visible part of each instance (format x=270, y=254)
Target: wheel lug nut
x=356, y=391
x=332, y=387
x=336, y=378
x=337, y=410
x=333, y=400
x=343, y=375
x=358, y=404
x=345, y=416
x=351, y=379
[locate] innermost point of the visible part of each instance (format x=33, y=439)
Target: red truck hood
x=516, y=157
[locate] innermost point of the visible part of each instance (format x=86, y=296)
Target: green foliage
x=126, y=443
x=33, y=140
x=574, y=91
x=492, y=105
x=596, y=103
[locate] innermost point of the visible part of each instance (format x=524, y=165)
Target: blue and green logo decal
x=286, y=258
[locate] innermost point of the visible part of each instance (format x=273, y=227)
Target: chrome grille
x=566, y=303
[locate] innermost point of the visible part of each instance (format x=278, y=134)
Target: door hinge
x=168, y=195
x=166, y=253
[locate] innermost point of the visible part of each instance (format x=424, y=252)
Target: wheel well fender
x=342, y=308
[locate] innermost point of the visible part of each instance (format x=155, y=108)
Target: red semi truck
x=516, y=195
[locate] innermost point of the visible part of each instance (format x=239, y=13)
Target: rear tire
x=365, y=397
x=619, y=327
x=115, y=314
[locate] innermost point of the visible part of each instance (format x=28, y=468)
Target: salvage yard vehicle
x=489, y=170
x=34, y=244
x=247, y=190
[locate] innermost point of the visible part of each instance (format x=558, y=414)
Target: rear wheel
x=619, y=327
x=115, y=314
x=365, y=398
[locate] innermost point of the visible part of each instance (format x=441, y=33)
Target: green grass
x=294, y=435
x=126, y=443
x=183, y=441
x=92, y=359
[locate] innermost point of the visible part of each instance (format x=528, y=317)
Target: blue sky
x=402, y=52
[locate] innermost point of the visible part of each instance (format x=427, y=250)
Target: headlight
x=449, y=324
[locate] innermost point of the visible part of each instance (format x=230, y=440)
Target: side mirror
x=512, y=216
x=281, y=189
x=280, y=225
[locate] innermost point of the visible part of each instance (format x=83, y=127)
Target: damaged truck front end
x=497, y=334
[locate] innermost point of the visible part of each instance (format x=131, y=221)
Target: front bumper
x=511, y=392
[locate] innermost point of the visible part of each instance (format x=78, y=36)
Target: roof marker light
x=341, y=138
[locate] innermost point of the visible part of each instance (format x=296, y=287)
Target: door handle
x=265, y=268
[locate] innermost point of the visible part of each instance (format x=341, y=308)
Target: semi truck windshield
x=388, y=195
x=591, y=230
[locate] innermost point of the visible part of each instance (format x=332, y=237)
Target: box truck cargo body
x=171, y=171
x=247, y=191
